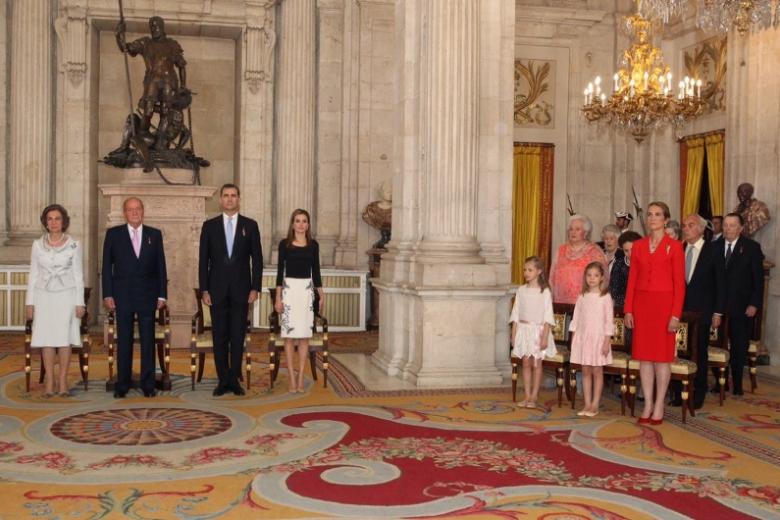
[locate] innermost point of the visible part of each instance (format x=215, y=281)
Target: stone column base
x=179, y=212
x=439, y=337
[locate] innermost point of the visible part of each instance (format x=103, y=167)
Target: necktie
x=229, y=236
x=688, y=263
x=728, y=253
x=136, y=243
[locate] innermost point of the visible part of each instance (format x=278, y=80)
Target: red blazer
x=661, y=271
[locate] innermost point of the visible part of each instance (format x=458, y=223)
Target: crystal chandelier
x=744, y=15
x=717, y=15
x=663, y=9
x=643, y=97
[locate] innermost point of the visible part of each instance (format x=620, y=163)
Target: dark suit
x=135, y=284
x=705, y=293
x=228, y=280
x=744, y=287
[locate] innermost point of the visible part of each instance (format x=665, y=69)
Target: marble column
x=452, y=99
x=30, y=126
x=256, y=118
x=3, y=119
x=442, y=301
x=295, y=109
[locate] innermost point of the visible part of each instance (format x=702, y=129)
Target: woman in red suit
x=654, y=300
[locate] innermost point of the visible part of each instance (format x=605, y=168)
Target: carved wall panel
x=535, y=93
x=707, y=61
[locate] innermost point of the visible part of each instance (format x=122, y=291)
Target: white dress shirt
x=225, y=218
x=140, y=228
x=696, y=252
x=726, y=246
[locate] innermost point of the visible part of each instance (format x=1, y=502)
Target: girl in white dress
x=593, y=328
x=532, y=322
x=55, y=296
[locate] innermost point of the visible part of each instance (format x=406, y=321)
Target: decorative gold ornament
x=642, y=98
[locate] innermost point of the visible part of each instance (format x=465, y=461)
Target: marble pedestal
x=440, y=332
x=179, y=212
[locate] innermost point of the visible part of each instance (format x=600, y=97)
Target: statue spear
x=139, y=143
x=638, y=210
x=569, y=205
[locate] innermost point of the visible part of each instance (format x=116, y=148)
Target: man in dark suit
x=230, y=267
x=744, y=290
x=134, y=283
x=705, y=293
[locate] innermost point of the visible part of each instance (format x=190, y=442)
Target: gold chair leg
x=559, y=380
x=632, y=392
x=325, y=366
x=752, y=361
x=573, y=386
x=722, y=384
x=514, y=380
x=684, y=399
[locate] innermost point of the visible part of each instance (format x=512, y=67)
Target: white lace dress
x=532, y=309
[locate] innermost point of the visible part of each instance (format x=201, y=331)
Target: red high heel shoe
x=644, y=420
x=656, y=422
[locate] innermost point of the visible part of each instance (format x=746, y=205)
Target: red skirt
x=652, y=340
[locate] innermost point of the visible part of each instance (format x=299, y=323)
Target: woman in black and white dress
x=55, y=296
x=298, y=276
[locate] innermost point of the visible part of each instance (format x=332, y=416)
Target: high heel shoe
x=656, y=422
x=644, y=420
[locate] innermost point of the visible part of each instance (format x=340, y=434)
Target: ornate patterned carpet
x=344, y=452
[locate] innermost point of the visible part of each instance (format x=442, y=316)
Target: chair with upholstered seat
x=682, y=367
x=162, y=344
x=317, y=343
x=718, y=358
x=618, y=367
x=201, y=341
x=82, y=351
x=560, y=361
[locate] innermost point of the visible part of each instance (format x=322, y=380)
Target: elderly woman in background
x=572, y=258
x=673, y=229
x=654, y=301
x=55, y=296
x=609, y=244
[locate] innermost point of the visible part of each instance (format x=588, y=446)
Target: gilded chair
x=718, y=357
x=317, y=343
x=201, y=341
x=82, y=351
x=618, y=367
x=682, y=367
x=162, y=344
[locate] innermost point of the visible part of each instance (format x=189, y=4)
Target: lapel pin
x=243, y=232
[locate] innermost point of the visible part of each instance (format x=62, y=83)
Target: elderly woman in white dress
x=55, y=296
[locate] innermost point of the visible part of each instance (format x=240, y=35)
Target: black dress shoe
x=738, y=392
x=150, y=393
x=218, y=391
x=698, y=404
x=237, y=390
x=677, y=401
x=119, y=395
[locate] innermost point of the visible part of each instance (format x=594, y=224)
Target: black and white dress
x=298, y=274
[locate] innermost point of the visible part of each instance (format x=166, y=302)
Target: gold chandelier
x=643, y=98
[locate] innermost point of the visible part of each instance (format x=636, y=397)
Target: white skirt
x=54, y=321
x=298, y=315
x=527, y=338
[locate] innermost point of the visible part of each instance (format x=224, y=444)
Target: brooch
x=243, y=232
x=668, y=248
x=149, y=240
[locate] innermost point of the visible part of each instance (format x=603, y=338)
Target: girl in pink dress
x=593, y=328
x=532, y=321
